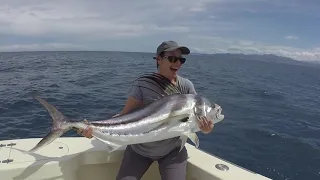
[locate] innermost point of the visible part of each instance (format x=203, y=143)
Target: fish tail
x=61, y=124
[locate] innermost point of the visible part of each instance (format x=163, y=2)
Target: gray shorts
x=171, y=167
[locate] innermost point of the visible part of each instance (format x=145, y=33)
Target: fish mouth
x=215, y=115
x=219, y=115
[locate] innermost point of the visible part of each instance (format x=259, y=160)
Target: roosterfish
x=173, y=114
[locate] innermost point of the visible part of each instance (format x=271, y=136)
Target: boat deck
x=79, y=158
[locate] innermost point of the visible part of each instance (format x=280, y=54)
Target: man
x=138, y=157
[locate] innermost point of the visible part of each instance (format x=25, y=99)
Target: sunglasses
x=174, y=59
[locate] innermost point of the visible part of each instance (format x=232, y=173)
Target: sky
x=289, y=28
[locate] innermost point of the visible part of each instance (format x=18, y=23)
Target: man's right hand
x=86, y=132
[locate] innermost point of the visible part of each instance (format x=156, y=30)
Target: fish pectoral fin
x=161, y=123
x=183, y=139
x=192, y=136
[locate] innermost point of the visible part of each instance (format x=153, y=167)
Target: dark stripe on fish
x=130, y=117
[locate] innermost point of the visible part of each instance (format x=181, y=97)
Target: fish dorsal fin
x=163, y=83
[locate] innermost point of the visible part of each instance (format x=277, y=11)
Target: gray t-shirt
x=158, y=149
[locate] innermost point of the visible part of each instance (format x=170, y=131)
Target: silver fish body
x=175, y=115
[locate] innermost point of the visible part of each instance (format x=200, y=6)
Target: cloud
x=205, y=25
x=212, y=17
x=214, y=44
x=200, y=5
x=58, y=19
x=291, y=37
x=101, y=17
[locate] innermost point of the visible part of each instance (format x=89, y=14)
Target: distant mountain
x=258, y=57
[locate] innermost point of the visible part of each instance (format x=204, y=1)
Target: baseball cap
x=170, y=46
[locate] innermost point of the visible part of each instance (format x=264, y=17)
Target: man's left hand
x=205, y=125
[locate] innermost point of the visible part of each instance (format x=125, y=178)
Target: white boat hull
x=79, y=158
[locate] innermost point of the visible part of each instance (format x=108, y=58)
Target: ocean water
x=272, y=114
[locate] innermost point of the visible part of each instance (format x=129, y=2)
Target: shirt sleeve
x=135, y=91
x=191, y=89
